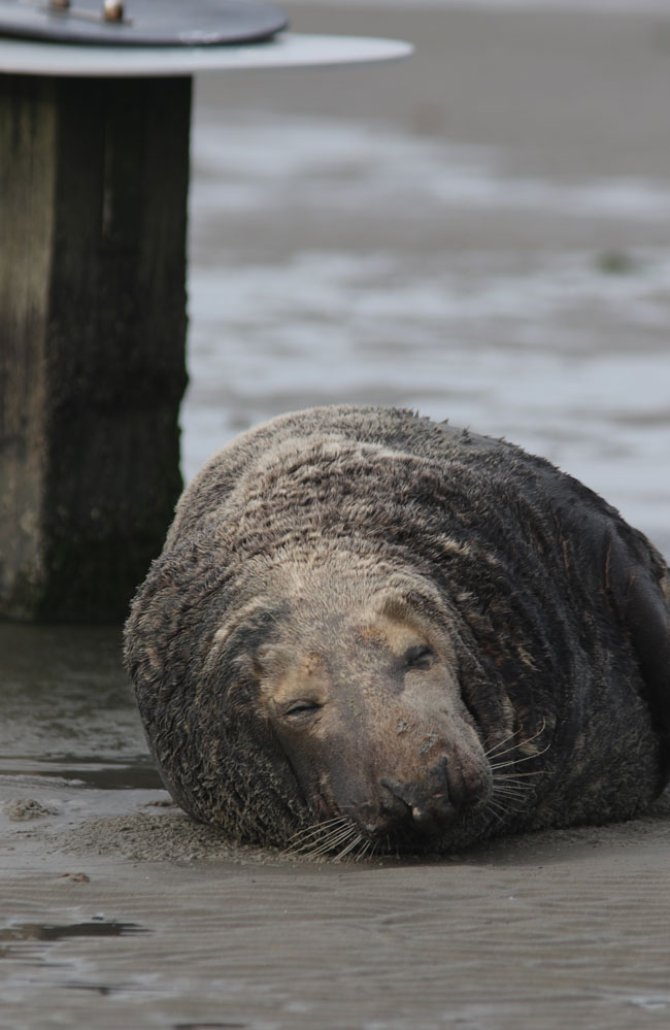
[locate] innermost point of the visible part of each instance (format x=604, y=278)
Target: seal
x=369, y=632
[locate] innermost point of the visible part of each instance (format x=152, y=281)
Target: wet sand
x=144, y=920
x=119, y=912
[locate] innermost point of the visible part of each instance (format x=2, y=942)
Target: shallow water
x=482, y=233
x=520, y=287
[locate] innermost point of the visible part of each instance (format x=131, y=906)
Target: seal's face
x=362, y=694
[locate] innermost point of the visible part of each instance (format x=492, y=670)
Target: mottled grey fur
x=554, y=611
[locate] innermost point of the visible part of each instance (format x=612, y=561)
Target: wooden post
x=93, y=199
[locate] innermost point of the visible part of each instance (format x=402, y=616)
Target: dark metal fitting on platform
x=112, y=10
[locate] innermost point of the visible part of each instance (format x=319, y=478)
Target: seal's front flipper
x=639, y=584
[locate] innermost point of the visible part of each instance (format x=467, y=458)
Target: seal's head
x=355, y=683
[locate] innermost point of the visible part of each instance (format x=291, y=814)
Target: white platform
x=288, y=50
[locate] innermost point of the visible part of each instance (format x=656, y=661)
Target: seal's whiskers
x=349, y=847
x=326, y=842
x=498, y=809
x=506, y=794
x=505, y=740
x=315, y=830
x=314, y=837
x=368, y=849
x=336, y=840
x=509, y=763
x=510, y=789
x=517, y=761
x=491, y=752
x=337, y=837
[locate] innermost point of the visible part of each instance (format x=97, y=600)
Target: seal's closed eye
x=420, y=656
x=301, y=708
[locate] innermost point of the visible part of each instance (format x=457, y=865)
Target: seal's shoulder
x=286, y=437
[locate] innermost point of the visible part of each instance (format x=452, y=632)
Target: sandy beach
x=499, y=206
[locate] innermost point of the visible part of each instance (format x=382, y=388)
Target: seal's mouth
x=403, y=818
x=340, y=837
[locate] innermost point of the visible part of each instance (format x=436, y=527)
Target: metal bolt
x=112, y=10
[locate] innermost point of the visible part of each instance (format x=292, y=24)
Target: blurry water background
x=481, y=232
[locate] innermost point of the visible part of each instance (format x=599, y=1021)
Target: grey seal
x=369, y=632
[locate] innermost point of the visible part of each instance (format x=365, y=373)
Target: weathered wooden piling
x=94, y=163
x=93, y=204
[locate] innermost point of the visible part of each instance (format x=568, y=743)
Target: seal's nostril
x=421, y=816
